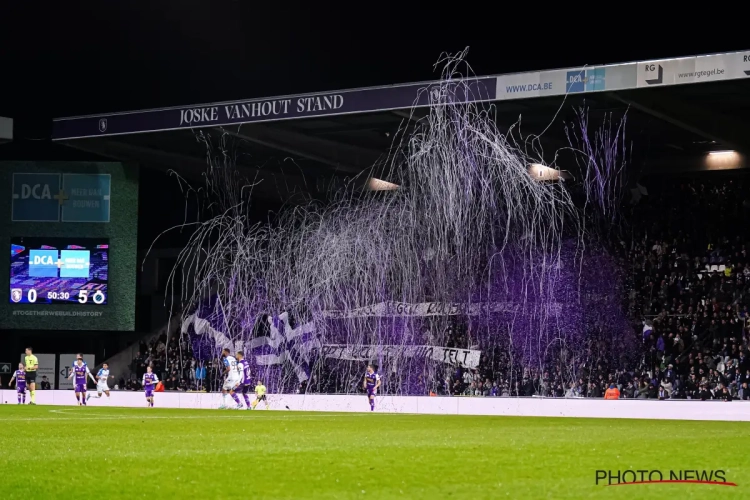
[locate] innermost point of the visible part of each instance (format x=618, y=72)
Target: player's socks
x=84, y=401
x=372, y=405
x=236, y=399
x=247, y=400
x=255, y=403
x=19, y=398
x=33, y=397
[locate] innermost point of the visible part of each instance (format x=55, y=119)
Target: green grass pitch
x=111, y=453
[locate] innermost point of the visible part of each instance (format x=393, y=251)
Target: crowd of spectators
x=173, y=362
x=688, y=276
x=690, y=281
x=685, y=252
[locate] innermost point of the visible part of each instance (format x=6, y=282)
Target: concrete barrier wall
x=518, y=407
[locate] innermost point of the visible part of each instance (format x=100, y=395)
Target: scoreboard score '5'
x=59, y=271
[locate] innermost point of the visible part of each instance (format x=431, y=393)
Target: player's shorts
x=21, y=388
x=243, y=388
x=371, y=391
x=261, y=398
x=149, y=393
x=80, y=387
x=30, y=377
x=102, y=388
x=230, y=384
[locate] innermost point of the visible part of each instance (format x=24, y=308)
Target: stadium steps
x=119, y=364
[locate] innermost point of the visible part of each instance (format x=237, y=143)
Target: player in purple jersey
x=20, y=378
x=371, y=384
x=243, y=366
x=149, y=382
x=80, y=370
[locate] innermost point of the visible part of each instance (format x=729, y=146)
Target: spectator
x=667, y=386
x=629, y=391
x=495, y=391
x=612, y=393
x=725, y=394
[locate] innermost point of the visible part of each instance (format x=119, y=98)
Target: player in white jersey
x=101, y=385
x=232, y=378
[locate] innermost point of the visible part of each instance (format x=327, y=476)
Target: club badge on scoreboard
x=16, y=294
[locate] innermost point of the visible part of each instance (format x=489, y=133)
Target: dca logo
x=44, y=263
x=37, y=197
x=575, y=81
x=66, y=197
x=588, y=80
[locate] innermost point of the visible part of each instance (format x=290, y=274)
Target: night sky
x=117, y=56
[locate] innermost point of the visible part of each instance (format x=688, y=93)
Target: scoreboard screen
x=59, y=271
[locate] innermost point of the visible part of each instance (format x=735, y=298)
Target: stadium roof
x=677, y=111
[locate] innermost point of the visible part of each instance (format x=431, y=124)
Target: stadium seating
x=685, y=255
x=688, y=276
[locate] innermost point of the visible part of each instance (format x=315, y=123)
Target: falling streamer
x=469, y=263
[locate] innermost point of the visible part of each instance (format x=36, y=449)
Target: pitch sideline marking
x=122, y=416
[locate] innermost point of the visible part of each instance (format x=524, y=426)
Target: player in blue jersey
x=80, y=371
x=149, y=383
x=231, y=380
x=243, y=366
x=102, y=377
x=20, y=377
x=371, y=384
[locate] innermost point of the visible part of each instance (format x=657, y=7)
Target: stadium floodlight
x=723, y=160
x=376, y=184
x=543, y=172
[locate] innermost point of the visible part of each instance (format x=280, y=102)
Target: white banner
x=461, y=357
x=424, y=309
x=46, y=367
x=65, y=361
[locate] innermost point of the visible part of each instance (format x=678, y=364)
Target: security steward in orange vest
x=612, y=393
